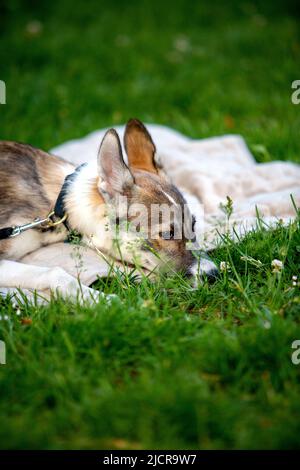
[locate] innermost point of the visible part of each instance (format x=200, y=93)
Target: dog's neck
x=84, y=205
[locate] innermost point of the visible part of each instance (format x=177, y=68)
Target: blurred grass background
x=166, y=366
x=204, y=68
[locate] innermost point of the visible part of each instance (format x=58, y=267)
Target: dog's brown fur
x=154, y=190
x=30, y=182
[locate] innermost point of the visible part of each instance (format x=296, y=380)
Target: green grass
x=163, y=366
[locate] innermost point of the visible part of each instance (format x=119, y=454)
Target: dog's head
x=149, y=217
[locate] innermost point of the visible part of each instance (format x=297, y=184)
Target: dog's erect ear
x=115, y=176
x=139, y=147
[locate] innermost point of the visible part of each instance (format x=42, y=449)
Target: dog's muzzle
x=204, y=268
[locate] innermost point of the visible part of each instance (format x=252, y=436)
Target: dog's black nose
x=212, y=275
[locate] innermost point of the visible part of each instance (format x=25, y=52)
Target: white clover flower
x=295, y=282
x=277, y=266
x=182, y=43
x=224, y=266
x=34, y=28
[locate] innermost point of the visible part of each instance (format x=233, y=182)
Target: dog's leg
x=25, y=276
x=19, y=297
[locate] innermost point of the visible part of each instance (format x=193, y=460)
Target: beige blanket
x=207, y=171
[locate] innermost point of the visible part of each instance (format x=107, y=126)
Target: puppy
x=131, y=213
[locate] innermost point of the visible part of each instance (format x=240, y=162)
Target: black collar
x=59, y=208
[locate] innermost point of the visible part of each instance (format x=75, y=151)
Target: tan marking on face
x=151, y=189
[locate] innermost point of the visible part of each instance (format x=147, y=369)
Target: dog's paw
x=109, y=298
x=92, y=295
x=67, y=286
x=64, y=285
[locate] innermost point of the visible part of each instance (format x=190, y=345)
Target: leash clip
x=51, y=223
x=18, y=229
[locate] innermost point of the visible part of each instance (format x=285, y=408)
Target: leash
x=49, y=221
x=15, y=230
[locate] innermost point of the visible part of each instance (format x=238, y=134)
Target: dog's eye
x=167, y=235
